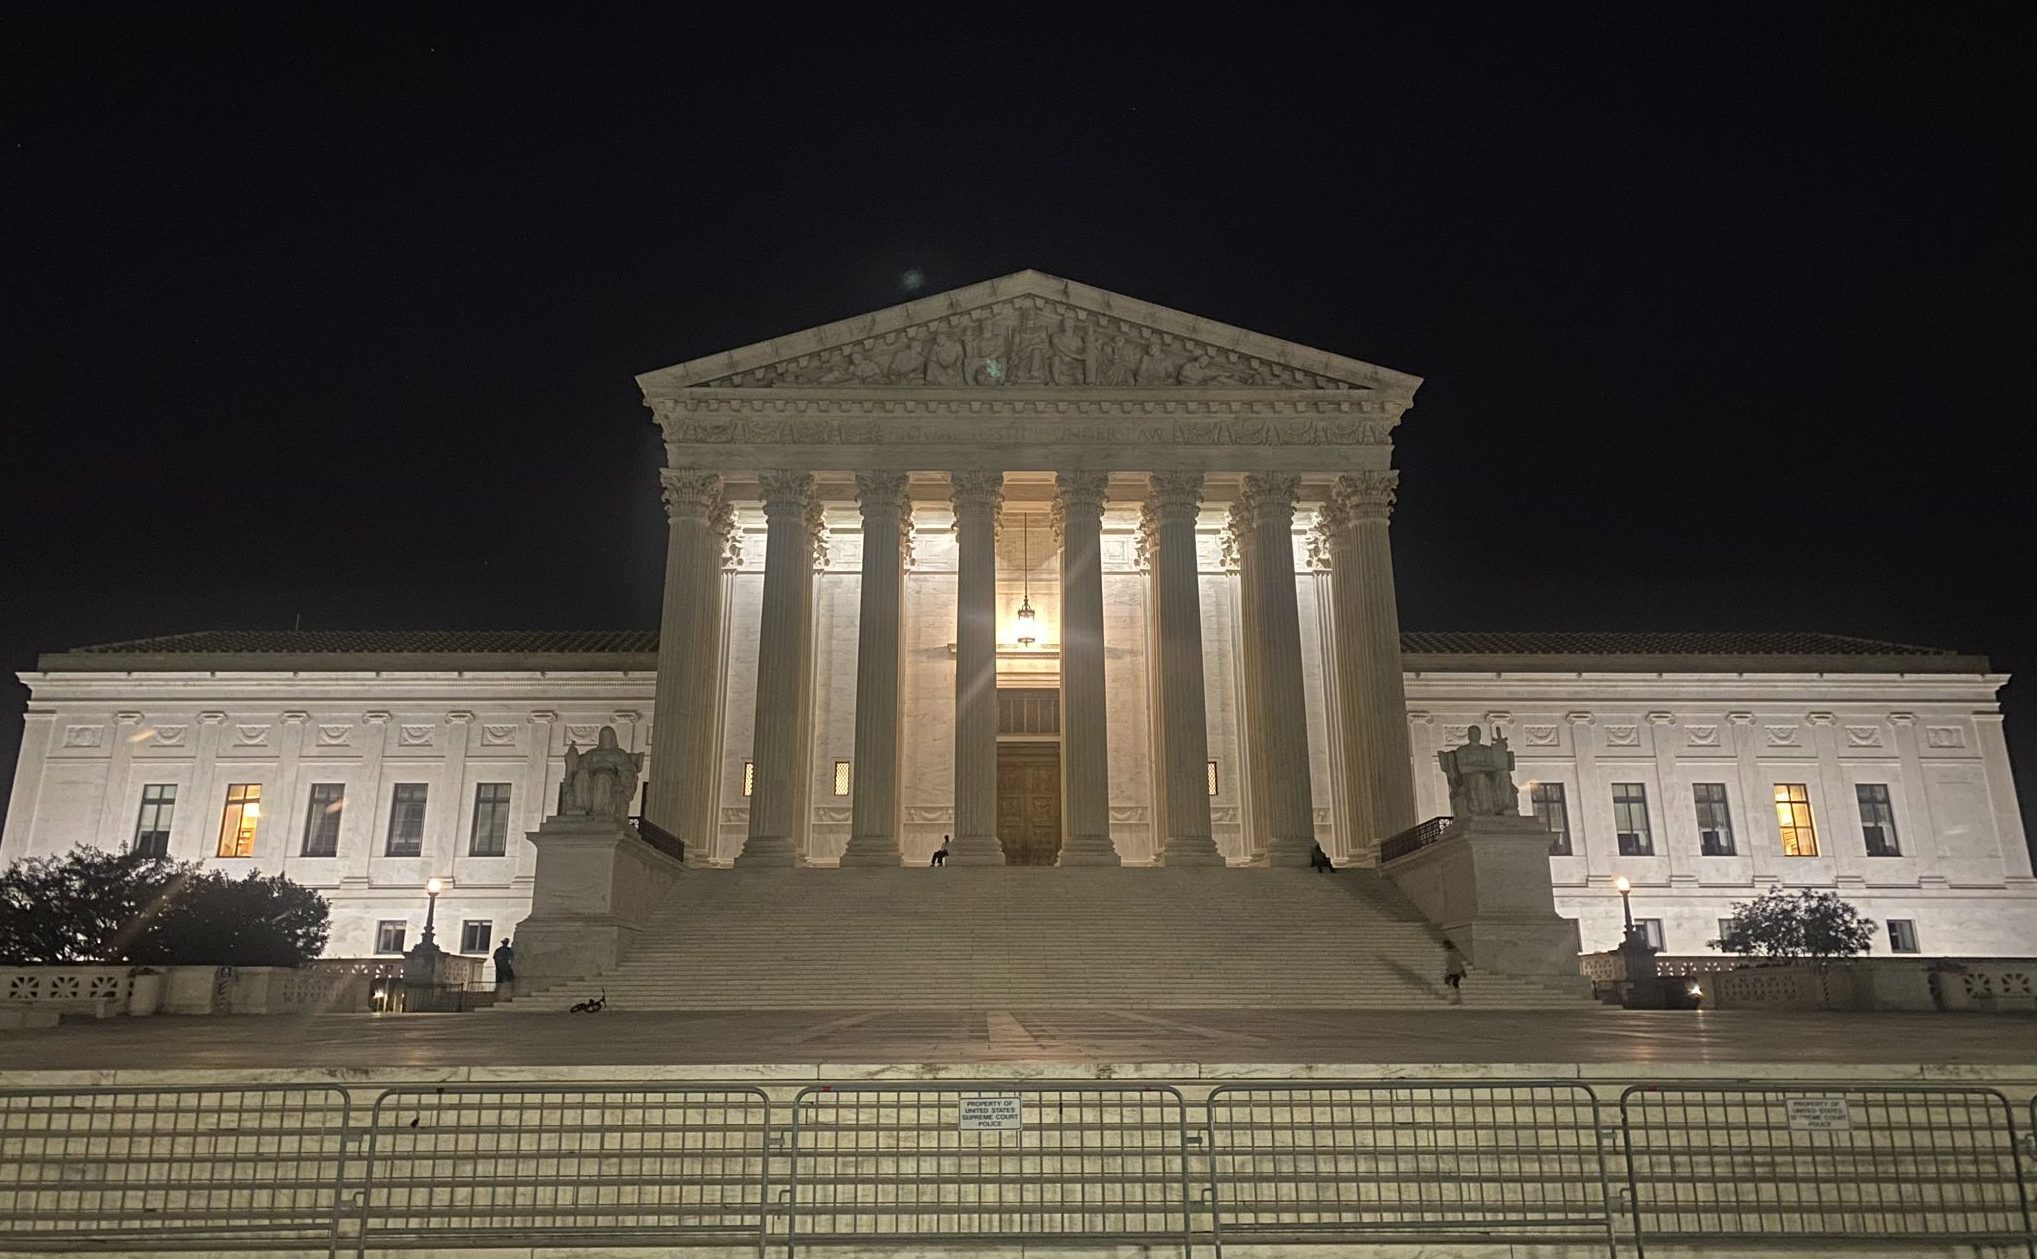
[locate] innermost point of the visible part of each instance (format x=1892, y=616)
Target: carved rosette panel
x=1023, y=341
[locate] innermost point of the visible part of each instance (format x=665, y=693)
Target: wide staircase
x=1045, y=938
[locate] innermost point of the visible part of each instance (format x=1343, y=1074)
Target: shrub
x=1809, y=924
x=91, y=905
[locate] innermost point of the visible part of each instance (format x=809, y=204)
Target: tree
x=213, y=920
x=1782, y=924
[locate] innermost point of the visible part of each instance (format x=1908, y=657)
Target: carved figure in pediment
x=905, y=364
x=1071, y=361
x=1157, y=367
x=865, y=369
x=945, y=361
x=1116, y=362
x=990, y=356
x=1029, y=350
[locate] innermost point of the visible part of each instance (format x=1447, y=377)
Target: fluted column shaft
x=1085, y=737
x=873, y=804
x=680, y=795
x=976, y=497
x=1347, y=686
x=774, y=739
x=1282, y=739
x=1368, y=497
x=1185, y=732
x=1251, y=749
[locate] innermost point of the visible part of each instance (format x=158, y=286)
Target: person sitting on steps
x=1319, y=861
x=941, y=853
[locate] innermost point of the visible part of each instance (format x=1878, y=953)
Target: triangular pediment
x=1027, y=331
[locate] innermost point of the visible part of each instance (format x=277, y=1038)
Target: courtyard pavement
x=1021, y=1036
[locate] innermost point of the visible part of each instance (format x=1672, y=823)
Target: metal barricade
x=1073, y=1163
x=1823, y=1164
x=1407, y=1162
x=172, y=1168
x=586, y=1166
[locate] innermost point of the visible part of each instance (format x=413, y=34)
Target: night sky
x=333, y=314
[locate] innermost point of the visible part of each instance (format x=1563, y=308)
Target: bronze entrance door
x=1029, y=802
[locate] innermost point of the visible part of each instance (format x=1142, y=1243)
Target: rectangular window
x=490, y=837
x=322, y=819
x=841, y=778
x=237, y=823
x=1727, y=926
x=475, y=935
x=1714, y=819
x=389, y=936
x=1547, y=801
x=1630, y=819
x=152, y=828
x=1651, y=931
x=1902, y=935
x=749, y=778
x=406, y=821
x=1793, y=816
x=1211, y=771
x=1877, y=819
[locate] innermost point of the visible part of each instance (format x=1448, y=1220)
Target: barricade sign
x=995, y=1112
x=1819, y=1114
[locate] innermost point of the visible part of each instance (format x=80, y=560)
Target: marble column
x=1176, y=496
x=1252, y=750
x=1282, y=739
x=685, y=728
x=1085, y=737
x=1347, y=626
x=976, y=497
x=774, y=747
x=1368, y=499
x=873, y=802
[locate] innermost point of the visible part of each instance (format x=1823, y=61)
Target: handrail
x=659, y=838
x=1413, y=839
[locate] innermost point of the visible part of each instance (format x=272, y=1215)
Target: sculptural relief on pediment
x=1028, y=341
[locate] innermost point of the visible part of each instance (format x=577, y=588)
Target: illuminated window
x=1793, y=815
x=152, y=828
x=322, y=819
x=490, y=837
x=237, y=826
x=749, y=777
x=1902, y=935
x=1213, y=778
x=1630, y=820
x=841, y=778
x=1548, y=803
x=406, y=821
x=1714, y=819
x=389, y=936
x=1877, y=819
x=476, y=934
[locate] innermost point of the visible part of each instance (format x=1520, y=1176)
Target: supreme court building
x=1067, y=578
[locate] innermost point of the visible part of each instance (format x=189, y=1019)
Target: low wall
x=106, y=991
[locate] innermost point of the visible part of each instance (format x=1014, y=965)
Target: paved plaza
x=1179, y=1038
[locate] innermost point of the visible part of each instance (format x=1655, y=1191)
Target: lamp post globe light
x=1625, y=887
x=432, y=887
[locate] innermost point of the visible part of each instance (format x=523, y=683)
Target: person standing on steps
x=1454, y=968
x=940, y=854
x=505, y=964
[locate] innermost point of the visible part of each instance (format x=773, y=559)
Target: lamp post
x=1623, y=885
x=432, y=887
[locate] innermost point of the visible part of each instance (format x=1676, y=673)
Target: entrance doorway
x=1029, y=802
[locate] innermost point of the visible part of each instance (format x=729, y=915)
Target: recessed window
x=1793, y=817
x=322, y=819
x=237, y=823
x=475, y=933
x=152, y=828
x=841, y=778
x=749, y=777
x=490, y=837
x=406, y=821
x=1546, y=799
x=389, y=936
x=1212, y=772
x=1714, y=819
x=1727, y=926
x=1630, y=820
x=1902, y=935
x=1877, y=819
x=1651, y=931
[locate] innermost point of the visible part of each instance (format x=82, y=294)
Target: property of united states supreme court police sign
x=991, y=1112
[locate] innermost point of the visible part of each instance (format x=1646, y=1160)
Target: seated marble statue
x=1481, y=777
x=600, y=782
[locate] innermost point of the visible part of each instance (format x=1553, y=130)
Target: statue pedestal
x=597, y=885
x=1485, y=882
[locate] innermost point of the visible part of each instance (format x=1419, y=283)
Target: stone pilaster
x=116, y=815
x=365, y=814
x=1282, y=737
x=194, y=828
x=442, y=843
x=976, y=497
x=292, y=795
x=1367, y=498
x=685, y=731
x=1176, y=497
x=1085, y=737
x=873, y=804
x=781, y=641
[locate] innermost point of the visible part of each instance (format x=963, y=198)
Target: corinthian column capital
x=881, y=493
x=690, y=495
x=1368, y=495
x=1265, y=494
x=972, y=490
x=1176, y=494
x=1078, y=495
x=785, y=493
